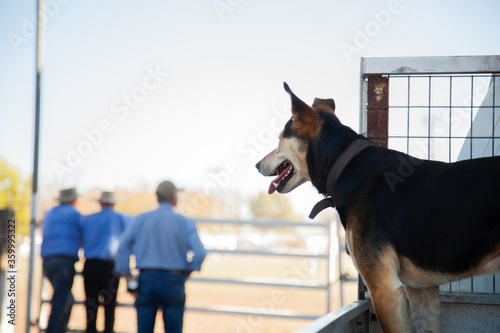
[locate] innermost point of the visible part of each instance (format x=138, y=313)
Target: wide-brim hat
x=68, y=195
x=108, y=197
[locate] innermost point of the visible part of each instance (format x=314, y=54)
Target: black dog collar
x=340, y=164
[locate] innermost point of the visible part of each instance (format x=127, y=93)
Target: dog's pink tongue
x=275, y=183
x=271, y=188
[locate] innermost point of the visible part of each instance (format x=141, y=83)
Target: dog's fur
x=410, y=224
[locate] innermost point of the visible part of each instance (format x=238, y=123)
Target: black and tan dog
x=410, y=224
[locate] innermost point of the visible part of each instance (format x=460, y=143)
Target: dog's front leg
x=378, y=267
x=390, y=303
x=424, y=307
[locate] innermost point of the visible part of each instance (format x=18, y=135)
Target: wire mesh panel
x=439, y=108
x=446, y=118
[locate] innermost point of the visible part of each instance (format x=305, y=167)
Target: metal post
x=374, y=96
x=378, y=110
x=363, y=99
x=38, y=55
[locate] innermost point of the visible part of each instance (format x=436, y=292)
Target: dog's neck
x=343, y=160
x=351, y=151
x=327, y=148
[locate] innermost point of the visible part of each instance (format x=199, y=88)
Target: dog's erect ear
x=326, y=105
x=305, y=119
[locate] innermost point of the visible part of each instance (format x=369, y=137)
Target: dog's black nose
x=257, y=165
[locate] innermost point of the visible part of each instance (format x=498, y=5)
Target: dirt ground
x=262, y=298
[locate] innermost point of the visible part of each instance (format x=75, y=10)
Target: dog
x=410, y=224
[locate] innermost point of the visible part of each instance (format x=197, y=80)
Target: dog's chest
x=348, y=243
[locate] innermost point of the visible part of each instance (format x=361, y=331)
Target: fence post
x=378, y=110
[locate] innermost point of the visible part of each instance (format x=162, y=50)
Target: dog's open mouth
x=284, y=172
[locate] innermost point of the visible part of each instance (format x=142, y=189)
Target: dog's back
x=442, y=216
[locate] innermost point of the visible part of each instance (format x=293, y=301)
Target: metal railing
x=353, y=317
x=269, y=282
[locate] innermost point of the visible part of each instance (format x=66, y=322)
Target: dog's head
x=291, y=161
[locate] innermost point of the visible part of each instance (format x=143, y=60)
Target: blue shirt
x=101, y=234
x=62, y=233
x=161, y=239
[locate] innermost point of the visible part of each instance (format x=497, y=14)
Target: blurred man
x=167, y=249
x=61, y=242
x=101, y=237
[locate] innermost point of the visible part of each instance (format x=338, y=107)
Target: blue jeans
x=60, y=272
x=158, y=288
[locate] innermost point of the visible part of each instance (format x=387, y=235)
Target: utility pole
x=34, y=194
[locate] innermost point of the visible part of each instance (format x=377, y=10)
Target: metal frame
x=430, y=65
x=353, y=317
x=378, y=66
x=279, y=283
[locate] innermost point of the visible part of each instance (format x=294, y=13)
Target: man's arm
x=195, y=246
x=81, y=228
x=122, y=262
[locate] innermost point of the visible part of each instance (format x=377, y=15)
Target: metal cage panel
x=439, y=108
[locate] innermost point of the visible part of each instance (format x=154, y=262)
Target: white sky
x=221, y=106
